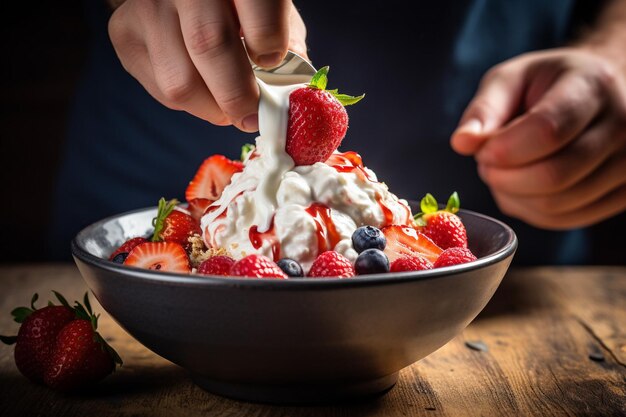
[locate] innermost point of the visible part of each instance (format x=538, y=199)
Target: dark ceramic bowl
x=292, y=341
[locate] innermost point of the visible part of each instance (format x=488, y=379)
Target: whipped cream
x=279, y=210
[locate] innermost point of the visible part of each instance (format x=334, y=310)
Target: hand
x=548, y=132
x=188, y=54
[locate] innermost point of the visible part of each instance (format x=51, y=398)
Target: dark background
x=43, y=54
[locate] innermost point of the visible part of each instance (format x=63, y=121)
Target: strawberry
x=317, y=120
x=159, y=256
x=444, y=227
x=216, y=265
x=405, y=240
x=36, y=336
x=212, y=177
x=410, y=263
x=454, y=256
x=197, y=207
x=331, y=264
x=174, y=225
x=256, y=266
x=127, y=247
x=37, y=349
x=80, y=355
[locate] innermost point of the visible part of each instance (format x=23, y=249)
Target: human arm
x=548, y=129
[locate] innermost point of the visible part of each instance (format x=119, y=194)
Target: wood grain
x=540, y=330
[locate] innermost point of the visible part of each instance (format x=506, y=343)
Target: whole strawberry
x=331, y=264
x=317, y=121
x=36, y=336
x=174, y=225
x=256, y=266
x=443, y=227
x=59, y=346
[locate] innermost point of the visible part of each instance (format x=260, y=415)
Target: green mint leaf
x=246, y=150
x=32, y=301
x=164, y=210
x=320, y=79
x=61, y=299
x=454, y=203
x=19, y=314
x=428, y=204
x=9, y=340
x=347, y=100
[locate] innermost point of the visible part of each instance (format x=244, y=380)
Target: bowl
x=292, y=341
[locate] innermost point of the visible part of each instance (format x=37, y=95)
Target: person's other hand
x=188, y=54
x=548, y=132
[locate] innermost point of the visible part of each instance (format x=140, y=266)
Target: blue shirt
x=419, y=70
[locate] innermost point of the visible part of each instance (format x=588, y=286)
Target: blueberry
x=371, y=261
x=120, y=257
x=290, y=267
x=368, y=237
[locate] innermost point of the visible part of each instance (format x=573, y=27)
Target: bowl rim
x=194, y=280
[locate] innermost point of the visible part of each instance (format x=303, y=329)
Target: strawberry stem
x=320, y=81
x=454, y=203
x=164, y=210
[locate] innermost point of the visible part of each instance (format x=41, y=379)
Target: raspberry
x=454, y=256
x=257, y=266
x=216, y=265
x=410, y=263
x=331, y=264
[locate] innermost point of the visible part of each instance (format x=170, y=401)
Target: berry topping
x=454, y=256
x=317, y=120
x=371, y=261
x=410, y=263
x=216, y=265
x=212, y=177
x=331, y=264
x=126, y=248
x=159, y=256
x=290, y=267
x=368, y=237
x=256, y=266
x=173, y=225
x=405, y=240
x=444, y=227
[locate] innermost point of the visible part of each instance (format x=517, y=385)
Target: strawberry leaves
x=165, y=208
x=320, y=81
x=428, y=205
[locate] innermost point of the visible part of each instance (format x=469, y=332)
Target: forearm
x=607, y=37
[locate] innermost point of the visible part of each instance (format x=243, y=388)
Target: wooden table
x=555, y=343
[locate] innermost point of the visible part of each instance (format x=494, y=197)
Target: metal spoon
x=292, y=70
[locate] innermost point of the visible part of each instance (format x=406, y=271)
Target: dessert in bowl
x=327, y=284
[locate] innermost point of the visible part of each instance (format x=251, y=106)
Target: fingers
x=211, y=34
x=580, y=197
x=265, y=29
x=561, y=114
x=179, y=83
x=608, y=205
x=499, y=97
x=297, y=33
x=559, y=171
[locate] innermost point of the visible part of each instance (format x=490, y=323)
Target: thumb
x=497, y=100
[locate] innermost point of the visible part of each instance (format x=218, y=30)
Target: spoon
x=292, y=70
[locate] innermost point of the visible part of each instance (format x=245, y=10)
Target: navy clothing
x=418, y=69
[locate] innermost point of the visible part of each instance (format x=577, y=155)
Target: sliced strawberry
x=212, y=177
x=159, y=256
x=127, y=246
x=197, y=207
x=404, y=240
